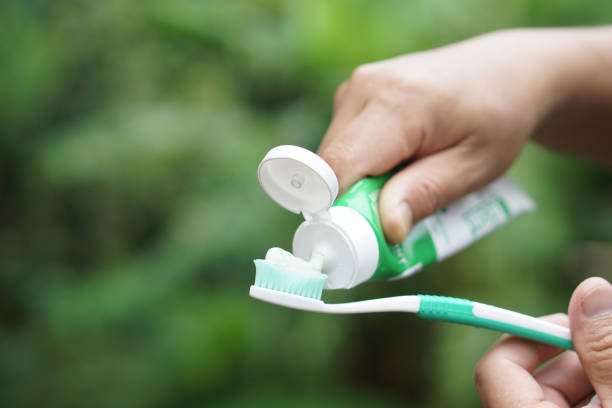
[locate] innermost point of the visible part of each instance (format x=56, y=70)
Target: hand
x=507, y=376
x=459, y=114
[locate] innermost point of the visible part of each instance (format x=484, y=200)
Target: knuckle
x=363, y=73
x=419, y=81
x=336, y=154
x=340, y=91
x=390, y=96
x=428, y=195
x=411, y=84
x=400, y=86
x=420, y=130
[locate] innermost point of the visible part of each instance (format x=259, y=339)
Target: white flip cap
x=298, y=180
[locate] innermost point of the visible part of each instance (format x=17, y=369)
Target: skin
x=507, y=376
x=458, y=116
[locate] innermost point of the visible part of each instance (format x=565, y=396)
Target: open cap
x=298, y=180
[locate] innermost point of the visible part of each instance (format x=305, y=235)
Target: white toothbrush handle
x=390, y=304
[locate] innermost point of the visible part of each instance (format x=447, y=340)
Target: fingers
x=429, y=184
x=563, y=380
x=339, y=97
x=348, y=102
x=503, y=376
x=355, y=149
x=590, y=313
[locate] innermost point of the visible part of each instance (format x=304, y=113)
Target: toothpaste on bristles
x=284, y=272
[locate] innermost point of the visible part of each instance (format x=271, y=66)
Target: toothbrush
x=302, y=291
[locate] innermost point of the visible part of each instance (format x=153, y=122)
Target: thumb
x=590, y=313
x=429, y=184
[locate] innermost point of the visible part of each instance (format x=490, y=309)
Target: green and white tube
x=347, y=233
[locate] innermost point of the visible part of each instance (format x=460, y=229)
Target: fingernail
x=406, y=216
x=598, y=301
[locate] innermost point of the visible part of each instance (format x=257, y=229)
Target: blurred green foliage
x=130, y=210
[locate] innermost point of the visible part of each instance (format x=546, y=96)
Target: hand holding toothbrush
x=462, y=113
x=507, y=376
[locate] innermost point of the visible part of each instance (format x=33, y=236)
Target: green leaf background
x=130, y=210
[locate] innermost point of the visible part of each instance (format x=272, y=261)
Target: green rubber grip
x=455, y=310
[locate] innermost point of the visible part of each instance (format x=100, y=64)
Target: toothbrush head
x=289, y=300
x=304, y=283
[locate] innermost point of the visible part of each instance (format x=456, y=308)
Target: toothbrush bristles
x=302, y=283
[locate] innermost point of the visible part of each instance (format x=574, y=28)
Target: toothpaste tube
x=346, y=234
